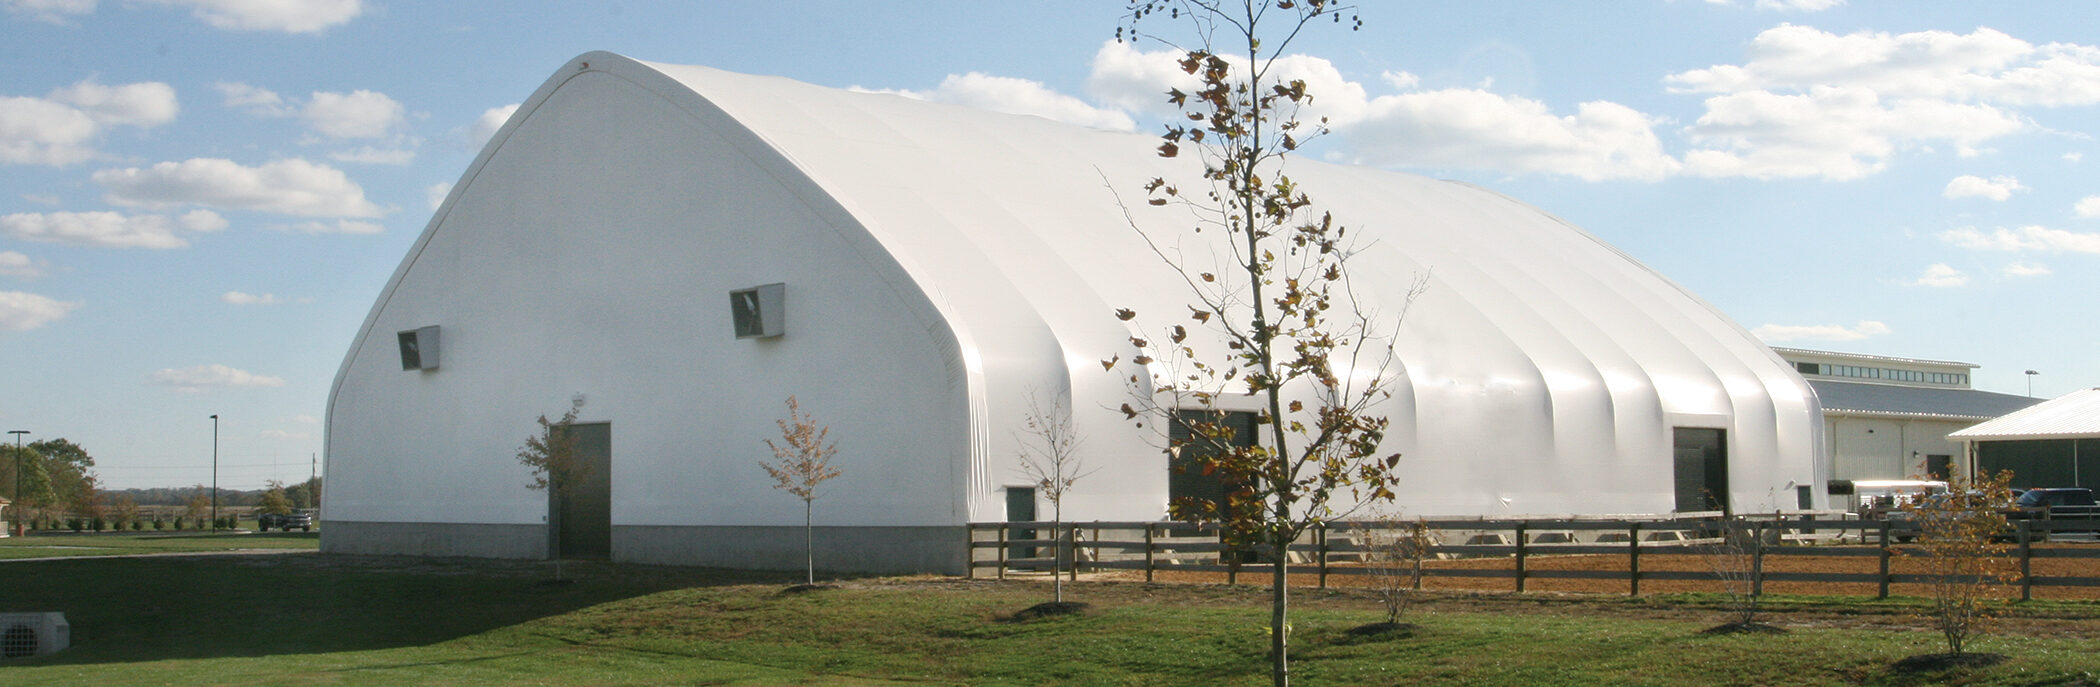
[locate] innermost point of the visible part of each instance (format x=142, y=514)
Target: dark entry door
x=1020, y=507
x=585, y=511
x=1701, y=462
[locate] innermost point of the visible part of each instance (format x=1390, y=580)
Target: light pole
x=16, y=516
x=2030, y=382
x=214, y=473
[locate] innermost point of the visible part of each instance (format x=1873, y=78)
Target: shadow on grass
x=216, y=606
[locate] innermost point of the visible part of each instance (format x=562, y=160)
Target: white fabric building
x=937, y=266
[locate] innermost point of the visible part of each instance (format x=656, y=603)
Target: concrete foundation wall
x=434, y=539
x=883, y=550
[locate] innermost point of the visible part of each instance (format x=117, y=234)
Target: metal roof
x=2075, y=415
x=1912, y=401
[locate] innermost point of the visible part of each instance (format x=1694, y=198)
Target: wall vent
x=33, y=634
x=419, y=348
x=760, y=311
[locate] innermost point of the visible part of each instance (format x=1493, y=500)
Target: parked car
x=297, y=519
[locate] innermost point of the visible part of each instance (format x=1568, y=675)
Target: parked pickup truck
x=2057, y=503
x=299, y=520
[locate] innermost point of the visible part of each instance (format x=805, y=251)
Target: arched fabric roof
x=1538, y=353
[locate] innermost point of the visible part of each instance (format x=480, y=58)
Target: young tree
x=274, y=500
x=803, y=462
x=1393, y=550
x=1959, y=545
x=556, y=468
x=198, y=506
x=1732, y=556
x=123, y=511
x=1050, y=459
x=1317, y=360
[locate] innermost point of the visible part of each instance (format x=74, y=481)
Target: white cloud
x=2027, y=269
x=291, y=186
x=108, y=229
x=2087, y=207
x=49, y=11
x=1940, y=275
x=306, y=420
x=146, y=104
x=255, y=100
x=1808, y=103
x=343, y=226
x=20, y=311
x=1124, y=77
x=239, y=298
x=1830, y=132
x=2073, y=157
x=435, y=194
x=357, y=114
x=1798, y=5
x=13, y=264
x=1972, y=186
x=375, y=156
x=201, y=377
x=1820, y=332
x=1461, y=128
x=288, y=16
x=2028, y=238
x=485, y=127
x=61, y=129
x=1019, y=96
x=1476, y=129
x=281, y=434
x=354, y=115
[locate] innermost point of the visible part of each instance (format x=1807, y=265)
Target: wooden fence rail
x=1337, y=549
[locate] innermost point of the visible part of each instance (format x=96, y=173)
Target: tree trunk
x=1057, y=577
x=809, y=554
x=1279, y=614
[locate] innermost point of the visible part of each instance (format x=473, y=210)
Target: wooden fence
x=1339, y=550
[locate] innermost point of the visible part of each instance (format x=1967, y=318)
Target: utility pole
x=15, y=515
x=214, y=473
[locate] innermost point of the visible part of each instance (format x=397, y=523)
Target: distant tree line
x=56, y=482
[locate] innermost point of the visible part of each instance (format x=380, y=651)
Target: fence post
x=1071, y=543
x=1320, y=539
x=1521, y=536
x=2026, y=558
x=1885, y=550
x=1096, y=560
x=969, y=552
x=1633, y=558
x=1757, y=560
x=1148, y=552
x=1002, y=551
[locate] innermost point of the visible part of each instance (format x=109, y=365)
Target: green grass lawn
x=315, y=619
x=137, y=542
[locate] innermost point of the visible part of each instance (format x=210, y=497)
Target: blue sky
x=200, y=199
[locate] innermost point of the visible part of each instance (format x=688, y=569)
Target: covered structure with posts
x=676, y=250
x=2053, y=444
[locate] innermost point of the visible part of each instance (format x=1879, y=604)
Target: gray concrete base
x=883, y=550
x=434, y=539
